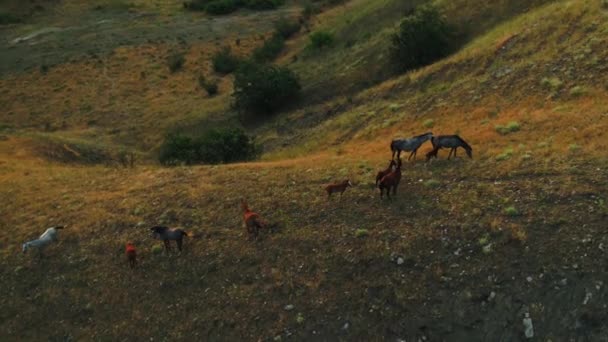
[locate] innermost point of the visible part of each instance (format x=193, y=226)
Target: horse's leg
x=398, y=154
x=415, y=152
x=450, y=154
x=167, y=247
x=179, y=244
x=455, y=149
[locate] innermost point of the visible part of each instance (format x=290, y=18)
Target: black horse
x=167, y=234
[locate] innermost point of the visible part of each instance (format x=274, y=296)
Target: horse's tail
x=59, y=227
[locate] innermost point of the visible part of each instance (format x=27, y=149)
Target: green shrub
x=429, y=123
x=214, y=147
x=176, y=62
x=224, y=61
x=422, y=38
x=264, y=88
x=286, y=28
x=220, y=7
x=506, y=155
x=361, y=233
x=577, y=91
x=321, y=39
x=8, y=18
x=552, y=83
x=270, y=50
x=309, y=10
x=511, y=211
x=210, y=86
x=513, y=126
x=157, y=249
x=262, y=4
x=432, y=183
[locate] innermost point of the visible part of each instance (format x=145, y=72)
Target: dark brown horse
x=391, y=180
x=452, y=142
x=388, y=170
x=167, y=234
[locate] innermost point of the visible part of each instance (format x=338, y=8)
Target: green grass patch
x=320, y=40
x=511, y=211
x=361, y=233
x=574, y=147
x=156, y=249
x=432, y=183
x=552, y=83
x=577, y=91
x=511, y=127
x=505, y=155
x=428, y=123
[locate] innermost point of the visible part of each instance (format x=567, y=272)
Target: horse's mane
x=464, y=143
x=421, y=135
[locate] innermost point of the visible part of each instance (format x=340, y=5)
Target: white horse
x=49, y=236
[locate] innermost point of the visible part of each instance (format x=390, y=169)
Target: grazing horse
x=253, y=221
x=337, y=187
x=391, y=181
x=49, y=236
x=411, y=144
x=167, y=234
x=388, y=170
x=449, y=141
x=131, y=254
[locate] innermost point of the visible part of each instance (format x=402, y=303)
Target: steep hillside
x=464, y=250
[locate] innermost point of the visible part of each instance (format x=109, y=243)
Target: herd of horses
x=386, y=180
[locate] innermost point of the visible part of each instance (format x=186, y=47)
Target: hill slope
x=461, y=253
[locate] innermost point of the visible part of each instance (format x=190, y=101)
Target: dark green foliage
x=262, y=4
x=270, y=50
x=214, y=147
x=8, y=18
x=286, y=28
x=219, y=7
x=264, y=88
x=224, y=61
x=321, y=39
x=210, y=86
x=176, y=61
x=423, y=38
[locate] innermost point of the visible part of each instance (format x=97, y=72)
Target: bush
x=175, y=62
x=423, y=38
x=214, y=147
x=264, y=88
x=428, y=123
x=511, y=211
x=360, y=233
x=224, y=61
x=8, y=18
x=219, y=7
x=286, y=28
x=321, y=39
x=270, y=50
x=210, y=86
x=262, y=4
x=512, y=126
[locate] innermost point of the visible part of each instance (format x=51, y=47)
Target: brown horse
x=131, y=254
x=391, y=181
x=337, y=187
x=253, y=221
x=388, y=170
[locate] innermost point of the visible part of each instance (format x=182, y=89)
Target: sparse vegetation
x=221, y=7
x=428, y=123
x=422, y=38
x=263, y=89
x=213, y=147
x=432, y=183
x=552, y=83
x=574, y=147
x=507, y=153
x=270, y=49
x=176, y=61
x=577, y=91
x=361, y=233
x=320, y=39
x=210, y=86
x=512, y=126
x=224, y=61
x=286, y=27
x=511, y=211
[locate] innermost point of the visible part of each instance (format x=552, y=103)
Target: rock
x=529, y=279
x=141, y=224
x=289, y=307
x=588, y=296
x=346, y=326
x=400, y=261
x=491, y=296
x=563, y=282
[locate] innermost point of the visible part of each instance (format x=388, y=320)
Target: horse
x=49, y=236
x=391, y=181
x=337, y=187
x=131, y=254
x=167, y=234
x=253, y=221
x=411, y=144
x=449, y=141
x=383, y=173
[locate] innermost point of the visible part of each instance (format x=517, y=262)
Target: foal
x=391, y=181
x=337, y=187
x=167, y=234
x=131, y=254
x=388, y=170
x=253, y=221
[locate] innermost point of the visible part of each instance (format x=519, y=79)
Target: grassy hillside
x=462, y=253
